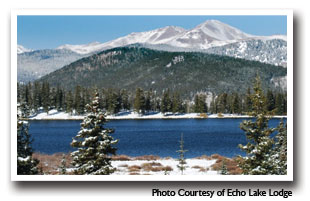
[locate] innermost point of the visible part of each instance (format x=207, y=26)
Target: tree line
x=265, y=154
x=39, y=96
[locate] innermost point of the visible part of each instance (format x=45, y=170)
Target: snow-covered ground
x=193, y=167
x=55, y=115
x=158, y=167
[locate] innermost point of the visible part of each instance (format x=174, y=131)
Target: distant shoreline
x=55, y=115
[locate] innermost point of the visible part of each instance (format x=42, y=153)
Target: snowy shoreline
x=146, y=165
x=55, y=115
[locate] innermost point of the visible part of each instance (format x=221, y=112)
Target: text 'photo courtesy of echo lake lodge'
x=151, y=95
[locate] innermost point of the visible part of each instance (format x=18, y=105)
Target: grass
x=49, y=164
x=231, y=164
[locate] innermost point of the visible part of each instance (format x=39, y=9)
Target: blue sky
x=43, y=32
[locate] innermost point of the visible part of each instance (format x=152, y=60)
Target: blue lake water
x=150, y=137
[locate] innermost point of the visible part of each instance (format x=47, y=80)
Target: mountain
x=157, y=36
x=21, y=49
x=186, y=72
x=211, y=36
x=208, y=34
x=35, y=64
x=272, y=51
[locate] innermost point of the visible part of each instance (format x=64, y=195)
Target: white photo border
x=137, y=12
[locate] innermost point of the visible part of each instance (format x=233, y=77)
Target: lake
x=150, y=137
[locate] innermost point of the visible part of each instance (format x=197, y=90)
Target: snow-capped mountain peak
x=21, y=49
x=221, y=31
x=84, y=48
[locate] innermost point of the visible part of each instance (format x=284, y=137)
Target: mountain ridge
x=186, y=72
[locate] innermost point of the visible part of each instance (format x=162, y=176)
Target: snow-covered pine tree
x=259, y=147
x=182, y=162
x=94, y=143
x=224, y=170
x=63, y=165
x=279, y=152
x=26, y=165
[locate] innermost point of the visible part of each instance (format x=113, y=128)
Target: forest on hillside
x=40, y=96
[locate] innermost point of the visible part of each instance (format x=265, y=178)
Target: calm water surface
x=150, y=137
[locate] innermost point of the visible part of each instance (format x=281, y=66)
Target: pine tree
x=236, y=107
x=182, y=161
x=176, y=103
x=37, y=96
x=279, y=152
x=165, y=105
x=45, y=91
x=139, y=102
x=59, y=99
x=148, y=99
x=200, y=103
x=270, y=101
x=248, y=101
x=259, y=147
x=224, y=170
x=69, y=102
x=94, y=143
x=26, y=165
x=280, y=103
x=222, y=103
x=125, y=100
x=78, y=103
x=63, y=165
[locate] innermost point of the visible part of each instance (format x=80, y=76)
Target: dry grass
x=202, y=169
x=49, y=164
x=121, y=158
x=231, y=164
x=217, y=156
x=123, y=165
x=205, y=157
x=134, y=168
x=203, y=115
x=134, y=173
x=196, y=167
x=147, y=158
x=155, y=167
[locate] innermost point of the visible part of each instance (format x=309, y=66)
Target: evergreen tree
x=279, y=152
x=213, y=105
x=45, y=91
x=223, y=103
x=176, y=103
x=200, y=103
x=37, y=96
x=270, y=101
x=165, y=105
x=259, y=147
x=139, y=102
x=148, y=99
x=280, y=104
x=94, y=143
x=26, y=165
x=59, y=99
x=182, y=161
x=69, y=102
x=78, y=103
x=224, y=170
x=248, y=101
x=125, y=99
x=30, y=97
x=236, y=106
x=63, y=165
